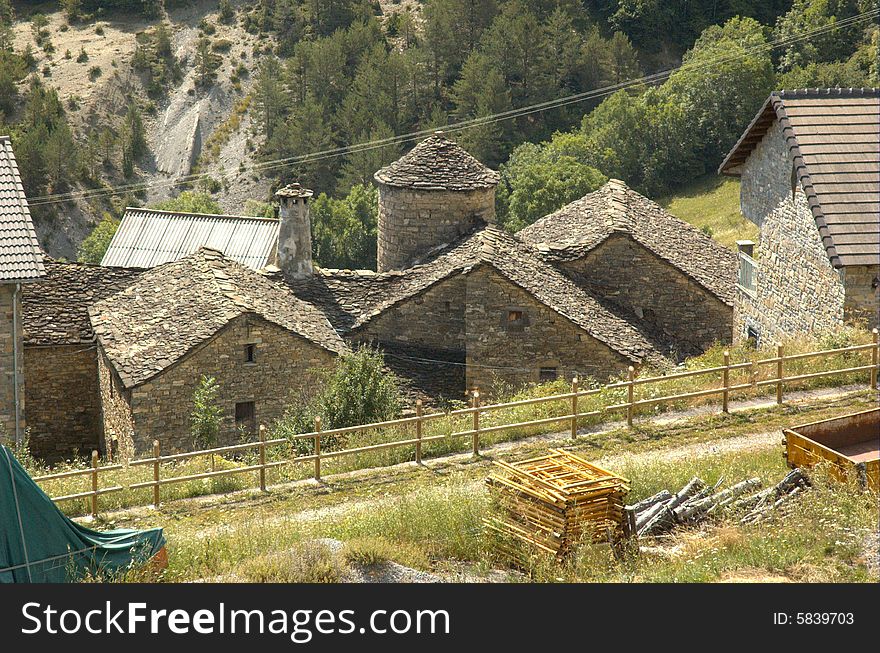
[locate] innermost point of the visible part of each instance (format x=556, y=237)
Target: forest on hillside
x=335, y=73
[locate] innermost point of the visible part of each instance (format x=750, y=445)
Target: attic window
x=250, y=353
x=514, y=317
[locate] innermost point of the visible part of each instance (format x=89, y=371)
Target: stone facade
x=862, y=287
x=10, y=353
x=412, y=222
x=668, y=302
x=405, y=324
x=118, y=422
x=541, y=339
x=63, y=401
x=160, y=408
x=797, y=288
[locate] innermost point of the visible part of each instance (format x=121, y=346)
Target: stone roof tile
x=576, y=229
x=173, y=308
x=21, y=258
x=438, y=163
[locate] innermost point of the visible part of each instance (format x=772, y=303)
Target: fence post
x=318, y=449
x=780, y=352
x=574, y=408
x=630, y=396
x=94, y=484
x=725, y=396
x=476, y=404
x=875, y=355
x=418, y=431
x=263, y=457
x=156, y=454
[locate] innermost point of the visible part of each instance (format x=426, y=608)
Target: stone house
x=21, y=263
x=203, y=315
x=607, y=282
x=810, y=169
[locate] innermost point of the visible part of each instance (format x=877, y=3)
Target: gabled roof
x=833, y=137
x=576, y=229
x=149, y=237
x=173, y=308
x=438, y=163
x=55, y=309
x=356, y=299
x=21, y=258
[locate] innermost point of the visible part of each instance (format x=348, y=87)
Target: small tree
x=206, y=414
x=96, y=243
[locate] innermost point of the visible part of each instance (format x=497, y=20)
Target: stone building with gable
x=810, y=169
x=609, y=281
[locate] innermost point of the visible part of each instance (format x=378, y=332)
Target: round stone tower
x=429, y=197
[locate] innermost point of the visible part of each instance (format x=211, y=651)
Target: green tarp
x=39, y=544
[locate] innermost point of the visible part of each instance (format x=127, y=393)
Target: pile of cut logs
x=697, y=502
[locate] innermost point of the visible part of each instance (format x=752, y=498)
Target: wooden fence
x=475, y=411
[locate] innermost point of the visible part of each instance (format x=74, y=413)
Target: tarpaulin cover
x=39, y=544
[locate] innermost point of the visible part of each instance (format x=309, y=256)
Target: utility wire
x=461, y=125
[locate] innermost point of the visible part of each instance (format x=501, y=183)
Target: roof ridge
x=198, y=215
x=831, y=91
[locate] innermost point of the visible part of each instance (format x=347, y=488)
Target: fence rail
x=476, y=411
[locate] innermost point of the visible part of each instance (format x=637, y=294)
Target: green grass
x=712, y=203
x=452, y=424
x=431, y=518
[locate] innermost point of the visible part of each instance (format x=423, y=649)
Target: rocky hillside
x=193, y=125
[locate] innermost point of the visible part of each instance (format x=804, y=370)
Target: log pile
x=552, y=503
x=696, y=502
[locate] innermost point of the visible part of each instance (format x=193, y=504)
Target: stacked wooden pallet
x=552, y=503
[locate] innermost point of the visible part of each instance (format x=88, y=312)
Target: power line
x=461, y=125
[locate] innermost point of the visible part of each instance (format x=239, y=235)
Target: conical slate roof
x=438, y=163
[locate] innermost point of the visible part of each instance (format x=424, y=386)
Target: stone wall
x=862, y=303
x=671, y=304
x=161, y=407
x=433, y=319
x=412, y=222
x=63, y=401
x=496, y=351
x=10, y=304
x=797, y=289
x=766, y=176
x=118, y=423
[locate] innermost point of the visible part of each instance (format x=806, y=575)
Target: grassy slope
x=713, y=202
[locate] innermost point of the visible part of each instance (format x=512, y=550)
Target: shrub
x=94, y=73
x=206, y=414
x=96, y=243
x=83, y=56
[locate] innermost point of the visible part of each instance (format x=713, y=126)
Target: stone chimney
x=295, y=231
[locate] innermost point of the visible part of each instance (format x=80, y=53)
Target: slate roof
x=576, y=229
x=21, y=258
x=149, y=237
x=171, y=309
x=55, y=309
x=833, y=136
x=352, y=300
x=438, y=163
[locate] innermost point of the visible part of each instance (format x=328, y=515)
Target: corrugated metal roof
x=147, y=238
x=834, y=138
x=21, y=258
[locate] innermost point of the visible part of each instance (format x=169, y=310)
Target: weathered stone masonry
x=797, y=290
x=63, y=402
x=9, y=304
x=545, y=339
x=161, y=407
x=413, y=222
x=668, y=302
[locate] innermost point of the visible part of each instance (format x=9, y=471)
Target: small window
x=753, y=336
x=246, y=416
x=514, y=317
x=447, y=305
x=547, y=374
x=250, y=353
